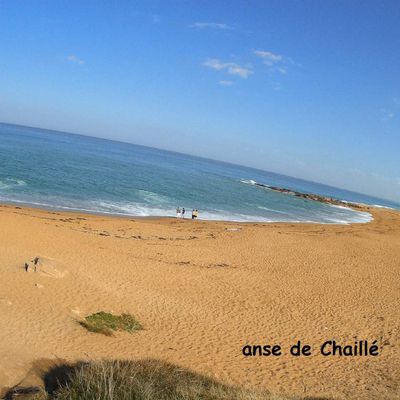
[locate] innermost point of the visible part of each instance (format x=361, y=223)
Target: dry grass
x=142, y=380
x=135, y=380
x=106, y=323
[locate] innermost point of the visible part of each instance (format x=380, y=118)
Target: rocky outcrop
x=310, y=196
x=44, y=266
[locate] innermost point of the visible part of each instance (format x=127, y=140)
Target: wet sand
x=203, y=290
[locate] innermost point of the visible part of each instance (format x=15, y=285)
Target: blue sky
x=309, y=89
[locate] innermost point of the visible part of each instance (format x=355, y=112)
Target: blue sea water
x=65, y=171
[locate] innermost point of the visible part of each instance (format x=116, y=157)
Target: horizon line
x=197, y=156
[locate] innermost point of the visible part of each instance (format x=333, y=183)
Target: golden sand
x=203, y=290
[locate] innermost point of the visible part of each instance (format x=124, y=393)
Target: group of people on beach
x=180, y=213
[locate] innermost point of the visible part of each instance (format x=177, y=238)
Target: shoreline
x=363, y=208
x=202, y=291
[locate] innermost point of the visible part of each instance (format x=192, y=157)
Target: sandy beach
x=202, y=291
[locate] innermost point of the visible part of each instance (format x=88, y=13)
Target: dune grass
x=106, y=323
x=136, y=380
x=143, y=380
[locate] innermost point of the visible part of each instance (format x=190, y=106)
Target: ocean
x=65, y=171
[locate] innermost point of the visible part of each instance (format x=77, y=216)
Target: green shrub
x=106, y=323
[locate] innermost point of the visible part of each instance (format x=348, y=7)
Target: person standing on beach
x=178, y=212
x=183, y=212
x=195, y=213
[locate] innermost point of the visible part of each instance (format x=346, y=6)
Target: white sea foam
x=136, y=209
x=356, y=216
x=144, y=210
x=353, y=217
x=272, y=210
x=379, y=206
x=152, y=197
x=8, y=183
x=249, y=182
x=342, y=207
x=133, y=209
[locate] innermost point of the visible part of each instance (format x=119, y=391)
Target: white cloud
x=225, y=83
x=268, y=57
x=214, y=64
x=211, y=25
x=75, y=60
x=274, y=62
x=229, y=67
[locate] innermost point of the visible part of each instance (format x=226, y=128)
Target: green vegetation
x=106, y=323
x=136, y=380
x=143, y=380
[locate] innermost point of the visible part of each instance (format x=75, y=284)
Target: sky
x=309, y=89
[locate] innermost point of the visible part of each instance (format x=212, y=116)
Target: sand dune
x=203, y=290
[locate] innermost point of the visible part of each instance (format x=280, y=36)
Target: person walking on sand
x=178, y=212
x=183, y=212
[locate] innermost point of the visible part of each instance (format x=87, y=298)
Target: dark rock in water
x=310, y=196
